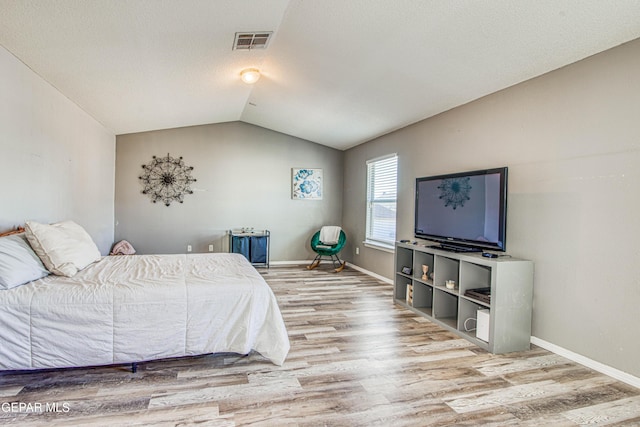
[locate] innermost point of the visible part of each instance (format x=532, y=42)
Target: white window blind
x=382, y=194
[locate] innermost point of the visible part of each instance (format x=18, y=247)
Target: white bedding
x=126, y=309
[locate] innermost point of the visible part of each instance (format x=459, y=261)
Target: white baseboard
x=371, y=273
x=589, y=363
x=300, y=262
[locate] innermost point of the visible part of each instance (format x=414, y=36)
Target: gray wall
x=571, y=140
x=57, y=161
x=243, y=177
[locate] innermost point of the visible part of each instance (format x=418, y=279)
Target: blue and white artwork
x=306, y=184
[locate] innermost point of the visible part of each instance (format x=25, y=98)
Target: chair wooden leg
x=338, y=264
x=313, y=265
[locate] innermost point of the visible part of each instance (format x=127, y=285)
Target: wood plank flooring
x=356, y=360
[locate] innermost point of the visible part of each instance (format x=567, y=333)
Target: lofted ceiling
x=336, y=72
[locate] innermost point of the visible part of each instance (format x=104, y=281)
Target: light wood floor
x=355, y=360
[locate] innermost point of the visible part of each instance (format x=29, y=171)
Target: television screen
x=463, y=210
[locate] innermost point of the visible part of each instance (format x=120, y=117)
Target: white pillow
x=18, y=263
x=64, y=248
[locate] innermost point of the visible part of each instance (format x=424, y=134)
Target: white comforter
x=135, y=308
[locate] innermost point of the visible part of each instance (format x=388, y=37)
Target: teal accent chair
x=330, y=251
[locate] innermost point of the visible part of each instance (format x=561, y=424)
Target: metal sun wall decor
x=306, y=184
x=455, y=191
x=166, y=179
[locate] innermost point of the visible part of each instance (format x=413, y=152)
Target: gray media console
x=493, y=295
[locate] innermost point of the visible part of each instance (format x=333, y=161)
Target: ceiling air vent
x=247, y=41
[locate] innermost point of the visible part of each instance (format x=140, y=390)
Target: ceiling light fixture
x=250, y=75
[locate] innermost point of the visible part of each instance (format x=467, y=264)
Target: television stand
x=501, y=288
x=458, y=248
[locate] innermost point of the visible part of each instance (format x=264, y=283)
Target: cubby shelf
x=510, y=281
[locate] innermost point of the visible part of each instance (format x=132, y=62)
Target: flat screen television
x=464, y=211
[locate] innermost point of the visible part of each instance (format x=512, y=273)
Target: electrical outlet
x=188, y=248
x=357, y=251
x=210, y=248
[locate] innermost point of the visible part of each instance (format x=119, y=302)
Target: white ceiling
x=337, y=72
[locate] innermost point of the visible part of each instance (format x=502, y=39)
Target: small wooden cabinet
x=508, y=280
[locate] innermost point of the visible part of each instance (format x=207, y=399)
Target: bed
x=129, y=309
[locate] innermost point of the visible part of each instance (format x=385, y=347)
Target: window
x=382, y=178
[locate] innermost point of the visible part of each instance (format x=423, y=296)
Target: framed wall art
x=306, y=184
